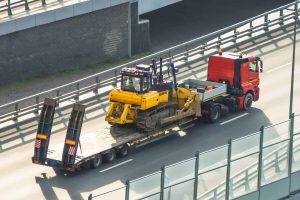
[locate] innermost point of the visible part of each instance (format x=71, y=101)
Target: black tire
x=86, y=164
x=109, y=156
x=96, y=162
x=248, y=101
x=214, y=113
x=123, y=151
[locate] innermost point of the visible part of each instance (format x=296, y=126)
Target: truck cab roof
x=234, y=56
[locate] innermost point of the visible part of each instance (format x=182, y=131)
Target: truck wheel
x=248, y=101
x=123, y=151
x=109, y=156
x=96, y=162
x=214, y=113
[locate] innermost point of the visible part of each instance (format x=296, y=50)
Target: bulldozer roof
x=139, y=70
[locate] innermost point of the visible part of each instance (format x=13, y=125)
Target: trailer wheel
x=96, y=162
x=123, y=151
x=248, y=101
x=214, y=113
x=109, y=156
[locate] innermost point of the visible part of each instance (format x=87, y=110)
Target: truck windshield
x=131, y=83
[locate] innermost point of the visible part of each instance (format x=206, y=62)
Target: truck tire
x=214, y=113
x=248, y=101
x=109, y=156
x=96, y=162
x=123, y=151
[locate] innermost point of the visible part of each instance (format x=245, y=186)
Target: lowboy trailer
x=232, y=84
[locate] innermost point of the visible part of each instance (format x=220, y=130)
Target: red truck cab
x=241, y=74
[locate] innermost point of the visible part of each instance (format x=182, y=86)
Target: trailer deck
x=74, y=151
x=98, y=141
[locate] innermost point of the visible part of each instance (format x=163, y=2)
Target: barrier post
x=162, y=182
x=235, y=32
x=16, y=112
x=186, y=55
x=266, y=20
x=291, y=141
x=97, y=85
x=77, y=92
x=37, y=101
x=228, y=170
x=281, y=17
x=260, y=167
x=9, y=8
x=26, y=5
x=57, y=97
x=127, y=190
x=196, y=175
x=250, y=28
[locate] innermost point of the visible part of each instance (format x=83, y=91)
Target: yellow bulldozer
x=149, y=101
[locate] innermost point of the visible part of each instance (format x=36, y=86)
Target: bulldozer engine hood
x=133, y=98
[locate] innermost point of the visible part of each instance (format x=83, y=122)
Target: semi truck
x=148, y=107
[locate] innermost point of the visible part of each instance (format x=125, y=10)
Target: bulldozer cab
x=136, y=79
x=131, y=83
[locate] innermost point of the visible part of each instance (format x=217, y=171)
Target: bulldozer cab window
x=131, y=83
x=253, y=66
x=146, y=84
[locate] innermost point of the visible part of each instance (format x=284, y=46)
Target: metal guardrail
x=9, y=5
x=271, y=163
x=181, y=55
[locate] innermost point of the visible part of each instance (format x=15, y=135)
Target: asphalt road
x=20, y=179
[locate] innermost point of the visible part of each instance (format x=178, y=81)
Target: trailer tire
x=123, y=151
x=96, y=162
x=248, y=101
x=214, y=113
x=109, y=156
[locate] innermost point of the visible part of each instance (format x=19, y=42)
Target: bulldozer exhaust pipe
x=161, y=77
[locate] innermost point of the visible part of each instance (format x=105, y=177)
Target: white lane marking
x=117, y=165
x=230, y=120
x=279, y=67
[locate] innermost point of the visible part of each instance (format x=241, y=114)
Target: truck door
x=253, y=72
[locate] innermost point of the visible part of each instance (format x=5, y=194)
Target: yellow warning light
x=241, y=54
x=220, y=51
x=41, y=136
x=70, y=142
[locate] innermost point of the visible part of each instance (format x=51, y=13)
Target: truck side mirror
x=261, y=66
